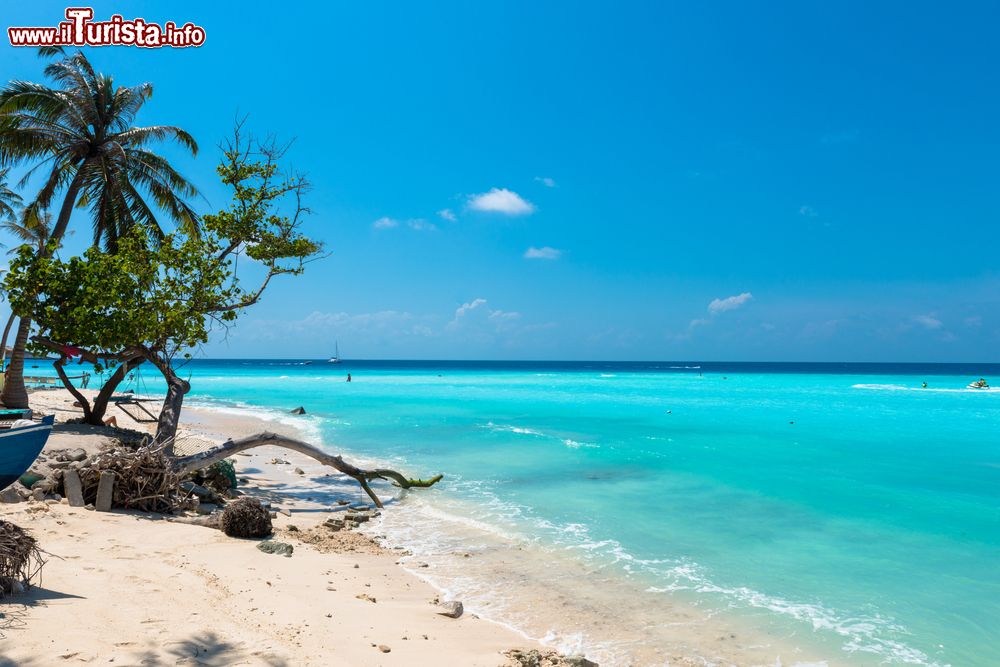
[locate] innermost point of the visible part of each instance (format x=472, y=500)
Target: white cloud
x=383, y=323
x=545, y=252
x=729, y=303
x=808, y=211
x=421, y=225
x=448, y=214
x=476, y=314
x=501, y=200
x=417, y=224
x=928, y=322
x=466, y=307
x=385, y=223
x=973, y=321
x=546, y=181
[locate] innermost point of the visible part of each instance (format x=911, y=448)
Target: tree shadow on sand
x=205, y=649
x=14, y=611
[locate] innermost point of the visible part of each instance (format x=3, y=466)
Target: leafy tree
x=155, y=302
x=80, y=133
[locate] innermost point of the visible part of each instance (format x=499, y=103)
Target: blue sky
x=703, y=181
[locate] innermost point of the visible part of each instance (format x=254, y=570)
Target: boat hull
x=19, y=447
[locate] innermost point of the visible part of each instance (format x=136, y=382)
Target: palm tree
x=33, y=229
x=8, y=198
x=81, y=135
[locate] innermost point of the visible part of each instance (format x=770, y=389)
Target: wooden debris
x=20, y=559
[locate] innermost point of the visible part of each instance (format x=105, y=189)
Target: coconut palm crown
x=81, y=134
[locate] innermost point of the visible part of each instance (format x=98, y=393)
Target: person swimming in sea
x=923, y=385
x=348, y=377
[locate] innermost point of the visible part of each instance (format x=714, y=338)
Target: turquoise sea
x=743, y=513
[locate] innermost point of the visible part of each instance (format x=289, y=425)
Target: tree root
x=194, y=462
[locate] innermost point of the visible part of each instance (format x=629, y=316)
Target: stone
x=58, y=465
x=10, y=495
x=299, y=411
x=384, y=648
x=357, y=517
x=273, y=547
x=105, y=491
x=89, y=506
x=43, y=484
x=198, y=490
x=206, y=508
x=73, y=488
x=452, y=609
x=334, y=524
x=75, y=454
x=578, y=661
x=300, y=471
x=38, y=494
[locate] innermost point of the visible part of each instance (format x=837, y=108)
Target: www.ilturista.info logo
x=80, y=30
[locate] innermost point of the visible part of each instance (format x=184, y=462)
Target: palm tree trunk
x=14, y=393
x=3, y=344
x=67, y=207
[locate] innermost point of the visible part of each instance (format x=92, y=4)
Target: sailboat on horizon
x=335, y=359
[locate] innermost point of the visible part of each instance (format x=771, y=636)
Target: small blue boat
x=20, y=446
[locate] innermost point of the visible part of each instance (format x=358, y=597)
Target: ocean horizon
x=826, y=512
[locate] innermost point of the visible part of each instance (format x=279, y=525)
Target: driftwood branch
x=194, y=462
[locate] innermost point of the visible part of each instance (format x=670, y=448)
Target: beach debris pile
x=246, y=517
x=140, y=479
x=20, y=559
x=127, y=475
x=537, y=658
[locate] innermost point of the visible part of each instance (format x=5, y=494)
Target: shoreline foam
x=694, y=639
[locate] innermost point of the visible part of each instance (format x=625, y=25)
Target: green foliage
x=157, y=297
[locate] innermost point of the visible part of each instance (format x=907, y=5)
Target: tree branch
x=194, y=462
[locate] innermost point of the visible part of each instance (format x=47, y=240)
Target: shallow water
x=741, y=513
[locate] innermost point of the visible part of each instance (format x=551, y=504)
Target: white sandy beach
x=133, y=589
